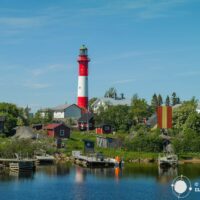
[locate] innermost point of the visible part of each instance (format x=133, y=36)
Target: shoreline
x=64, y=158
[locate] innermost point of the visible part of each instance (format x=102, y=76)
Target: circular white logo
x=181, y=187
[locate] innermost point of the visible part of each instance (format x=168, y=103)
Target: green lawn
x=76, y=143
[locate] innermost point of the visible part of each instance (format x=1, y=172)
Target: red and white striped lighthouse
x=83, y=78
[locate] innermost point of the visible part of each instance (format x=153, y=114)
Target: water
x=139, y=182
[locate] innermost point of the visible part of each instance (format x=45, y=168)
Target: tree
x=118, y=116
x=12, y=115
x=182, y=113
x=154, y=102
x=175, y=100
x=39, y=119
x=167, y=101
x=160, y=101
x=192, y=122
x=139, y=108
x=91, y=101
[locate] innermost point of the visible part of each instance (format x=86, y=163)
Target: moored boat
x=168, y=160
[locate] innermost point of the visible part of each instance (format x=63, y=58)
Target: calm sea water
x=139, y=182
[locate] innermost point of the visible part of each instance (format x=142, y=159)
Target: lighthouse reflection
x=80, y=175
x=99, y=173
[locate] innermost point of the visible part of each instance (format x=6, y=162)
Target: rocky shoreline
x=61, y=158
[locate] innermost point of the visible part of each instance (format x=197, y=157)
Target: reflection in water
x=21, y=175
x=55, y=170
x=80, y=175
x=117, y=171
x=166, y=174
x=134, y=181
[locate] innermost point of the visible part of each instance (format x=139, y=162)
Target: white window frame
x=62, y=132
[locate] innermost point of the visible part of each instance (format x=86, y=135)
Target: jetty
x=18, y=164
x=94, y=160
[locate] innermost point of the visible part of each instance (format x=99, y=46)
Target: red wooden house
x=57, y=130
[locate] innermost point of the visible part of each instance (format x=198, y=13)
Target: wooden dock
x=16, y=164
x=2, y=167
x=22, y=166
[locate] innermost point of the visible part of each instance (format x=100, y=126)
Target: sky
x=136, y=46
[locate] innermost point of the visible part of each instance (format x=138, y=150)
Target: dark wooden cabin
x=58, y=130
x=104, y=129
x=87, y=118
x=37, y=127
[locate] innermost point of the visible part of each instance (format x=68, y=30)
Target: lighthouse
x=83, y=61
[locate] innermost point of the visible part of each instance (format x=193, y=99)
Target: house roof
x=152, y=121
x=103, y=124
x=113, y=101
x=86, y=117
x=60, y=107
x=52, y=126
x=63, y=107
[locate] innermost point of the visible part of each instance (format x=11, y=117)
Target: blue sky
x=137, y=46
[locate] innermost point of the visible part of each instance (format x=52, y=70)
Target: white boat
x=95, y=160
x=44, y=158
x=168, y=160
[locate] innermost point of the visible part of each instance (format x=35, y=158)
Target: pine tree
x=154, y=101
x=167, y=101
x=160, y=101
x=178, y=100
x=174, y=98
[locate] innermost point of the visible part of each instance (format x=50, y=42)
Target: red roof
x=52, y=126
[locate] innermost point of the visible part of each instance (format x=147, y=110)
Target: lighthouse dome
x=83, y=50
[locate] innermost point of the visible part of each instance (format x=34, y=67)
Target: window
x=62, y=132
x=106, y=128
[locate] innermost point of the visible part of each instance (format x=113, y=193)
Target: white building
x=198, y=107
x=104, y=102
x=67, y=111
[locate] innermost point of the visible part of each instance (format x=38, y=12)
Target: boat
x=43, y=158
x=168, y=160
x=95, y=160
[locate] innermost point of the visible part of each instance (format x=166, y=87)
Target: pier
x=16, y=164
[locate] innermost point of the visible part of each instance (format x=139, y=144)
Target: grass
x=9, y=146
x=76, y=143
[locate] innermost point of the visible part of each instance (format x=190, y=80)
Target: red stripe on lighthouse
x=83, y=69
x=83, y=102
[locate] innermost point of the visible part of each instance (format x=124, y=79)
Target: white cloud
x=188, y=73
x=37, y=85
x=21, y=22
x=43, y=70
x=141, y=9
x=124, y=81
